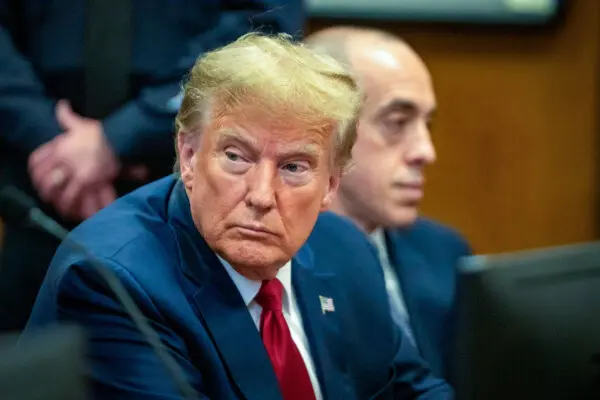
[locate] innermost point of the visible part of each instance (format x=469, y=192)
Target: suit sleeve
x=144, y=127
x=26, y=113
x=413, y=378
x=123, y=365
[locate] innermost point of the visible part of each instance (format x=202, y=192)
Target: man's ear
x=334, y=184
x=187, y=158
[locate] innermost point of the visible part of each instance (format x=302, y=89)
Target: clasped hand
x=75, y=172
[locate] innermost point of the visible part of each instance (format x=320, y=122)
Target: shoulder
x=430, y=227
x=133, y=233
x=432, y=236
x=133, y=242
x=331, y=225
x=341, y=247
x=339, y=236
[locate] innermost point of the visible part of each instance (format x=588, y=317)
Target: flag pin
x=326, y=304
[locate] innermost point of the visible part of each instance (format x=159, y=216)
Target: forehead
x=258, y=126
x=395, y=73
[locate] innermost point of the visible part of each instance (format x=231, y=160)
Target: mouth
x=414, y=190
x=254, y=230
x=411, y=185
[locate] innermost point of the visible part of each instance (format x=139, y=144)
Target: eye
x=291, y=167
x=294, y=168
x=232, y=156
x=233, y=161
x=296, y=173
x=397, y=123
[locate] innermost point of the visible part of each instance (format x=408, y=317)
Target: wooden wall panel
x=517, y=129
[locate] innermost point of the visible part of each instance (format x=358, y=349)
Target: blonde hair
x=282, y=76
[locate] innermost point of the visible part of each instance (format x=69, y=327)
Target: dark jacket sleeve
x=413, y=378
x=126, y=368
x=26, y=114
x=144, y=127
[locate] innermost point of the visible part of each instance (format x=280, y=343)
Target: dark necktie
x=290, y=369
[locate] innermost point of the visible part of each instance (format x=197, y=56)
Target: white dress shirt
x=392, y=285
x=249, y=289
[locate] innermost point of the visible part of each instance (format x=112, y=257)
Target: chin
x=264, y=260
x=402, y=218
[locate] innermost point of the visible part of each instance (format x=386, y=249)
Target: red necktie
x=290, y=369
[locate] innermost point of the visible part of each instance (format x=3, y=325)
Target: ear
x=187, y=158
x=333, y=185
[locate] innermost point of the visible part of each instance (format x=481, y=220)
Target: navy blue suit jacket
x=149, y=240
x=425, y=257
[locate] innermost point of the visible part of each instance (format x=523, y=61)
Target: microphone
x=16, y=207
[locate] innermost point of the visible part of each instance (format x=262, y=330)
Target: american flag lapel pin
x=326, y=304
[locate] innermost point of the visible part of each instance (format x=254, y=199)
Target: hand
x=76, y=170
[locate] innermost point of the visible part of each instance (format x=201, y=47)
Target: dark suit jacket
x=149, y=240
x=425, y=257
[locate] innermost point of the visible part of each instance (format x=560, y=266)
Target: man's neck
x=254, y=273
x=338, y=207
x=257, y=274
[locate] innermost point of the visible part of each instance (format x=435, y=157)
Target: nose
x=421, y=150
x=261, y=191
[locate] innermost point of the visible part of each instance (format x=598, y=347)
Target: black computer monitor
x=529, y=325
x=47, y=366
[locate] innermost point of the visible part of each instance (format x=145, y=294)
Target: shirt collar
x=285, y=277
x=378, y=239
x=249, y=288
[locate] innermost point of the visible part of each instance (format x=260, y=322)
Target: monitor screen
x=47, y=366
x=529, y=325
x=522, y=12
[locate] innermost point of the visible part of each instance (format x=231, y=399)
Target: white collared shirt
x=392, y=284
x=249, y=289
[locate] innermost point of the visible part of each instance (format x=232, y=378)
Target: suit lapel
x=221, y=307
x=236, y=337
x=323, y=329
x=409, y=265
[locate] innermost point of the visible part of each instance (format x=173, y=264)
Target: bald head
x=354, y=46
x=385, y=185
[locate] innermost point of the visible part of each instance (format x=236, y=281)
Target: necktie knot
x=270, y=294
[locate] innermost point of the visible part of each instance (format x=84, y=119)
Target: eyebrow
x=402, y=105
x=230, y=134
x=310, y=150
x=293, y=150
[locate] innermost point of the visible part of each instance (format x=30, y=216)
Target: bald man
x=383, y=189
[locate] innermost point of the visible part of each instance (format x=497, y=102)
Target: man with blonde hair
x=216, y=258
x=382, y=191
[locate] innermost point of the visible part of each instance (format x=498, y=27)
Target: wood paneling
x=517, y=129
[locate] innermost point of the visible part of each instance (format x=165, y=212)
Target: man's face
x=385, y=184
x=256, y=186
